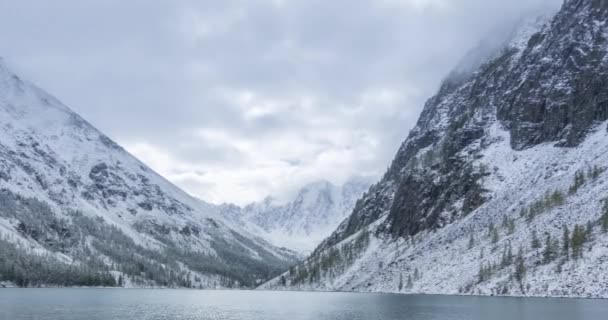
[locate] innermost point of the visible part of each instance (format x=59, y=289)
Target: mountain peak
x=301, y=223
x=23, y=101
x=515, y=151
x=62, y=181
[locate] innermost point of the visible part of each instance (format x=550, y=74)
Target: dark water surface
x=139, y=304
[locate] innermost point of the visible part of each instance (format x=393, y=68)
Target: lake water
x=139, y=304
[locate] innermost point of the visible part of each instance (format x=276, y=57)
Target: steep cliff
x=485, y=194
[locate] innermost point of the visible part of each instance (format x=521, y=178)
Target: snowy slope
x=515, y=152
x=302, y=223
x=49, y=154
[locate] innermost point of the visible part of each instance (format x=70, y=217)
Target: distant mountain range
x=302, y=223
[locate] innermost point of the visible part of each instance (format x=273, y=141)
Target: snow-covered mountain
x=77, y=209
x=302, y=223
x=500, y=188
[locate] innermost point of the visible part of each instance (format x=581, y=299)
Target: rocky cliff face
x=70, y=194
x=553, y=90
x=562, y=94
x=490, y=145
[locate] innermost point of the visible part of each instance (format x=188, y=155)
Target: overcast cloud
x=235, y=100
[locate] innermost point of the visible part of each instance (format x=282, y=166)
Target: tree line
x=103, y=255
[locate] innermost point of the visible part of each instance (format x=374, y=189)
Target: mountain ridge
x=303, y=221
x=488, y=187
x=74, y=199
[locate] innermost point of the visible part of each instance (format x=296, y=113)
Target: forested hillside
x=76, y=209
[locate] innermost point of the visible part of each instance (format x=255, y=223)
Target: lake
x=136, y=304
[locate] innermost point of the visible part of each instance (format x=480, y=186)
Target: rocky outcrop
x=557, y=89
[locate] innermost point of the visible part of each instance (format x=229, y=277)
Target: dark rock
x=146, y=206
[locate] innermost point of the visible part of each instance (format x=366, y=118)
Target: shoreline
x=324, y=291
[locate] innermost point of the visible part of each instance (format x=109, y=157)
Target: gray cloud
x=234, y=100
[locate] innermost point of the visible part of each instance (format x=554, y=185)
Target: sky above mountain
x=235, y=100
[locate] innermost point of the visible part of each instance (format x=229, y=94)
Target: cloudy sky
x=235, y=100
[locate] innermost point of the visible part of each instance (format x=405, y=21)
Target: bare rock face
x=552, y=90
x=557, y=90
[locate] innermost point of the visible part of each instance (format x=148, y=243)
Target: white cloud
x=235, y=100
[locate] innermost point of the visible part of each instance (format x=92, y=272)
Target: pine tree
x=589, y=231
x=551, y=249
x=578, y=240
x=579, y=181
x=400, y=282
x=557, y=198
x=410, y=283
x=471, y=241
x=535, y=241
x=397, y=250
x=507, y=256
x=566, y=242
x=604, y=218
x=520, y=267
x=532, y=212
x=495, y=236
x=511, y=226
x=594, y=172
x=555, y=248
x=482, y=273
